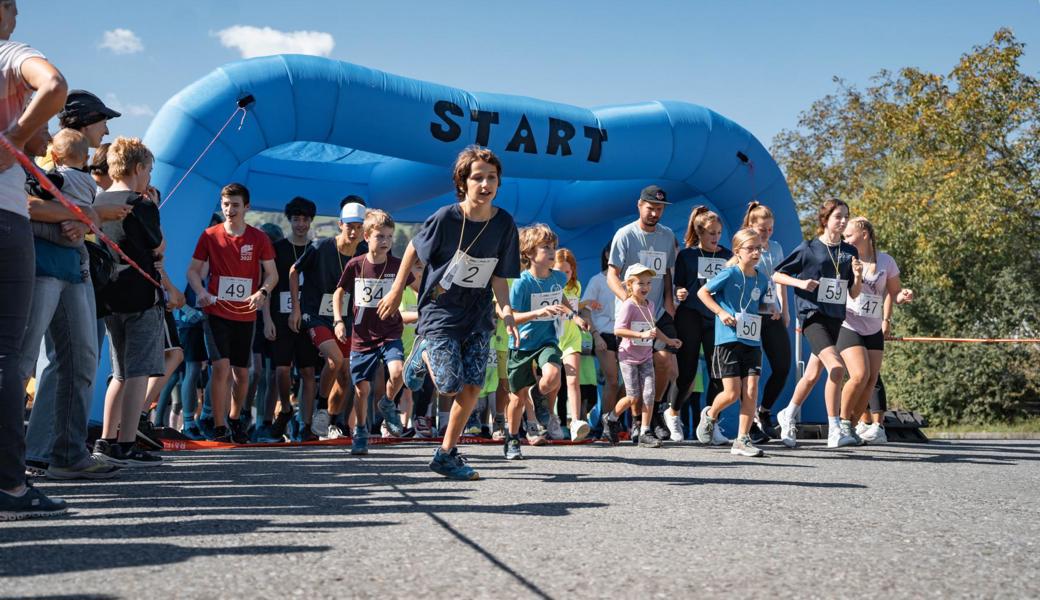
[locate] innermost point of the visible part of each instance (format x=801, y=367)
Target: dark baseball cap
x=655, y=194
x=83, y=108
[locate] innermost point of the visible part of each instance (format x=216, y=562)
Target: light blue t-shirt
x=736, y=293
x=531, y=293
x=656, y=250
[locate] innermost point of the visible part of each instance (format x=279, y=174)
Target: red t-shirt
x=367, y=284
x=234, y=268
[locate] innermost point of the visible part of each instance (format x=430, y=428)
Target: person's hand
x=809, y=285
x=116, y=212
x=598, y=343
x=341, y=331
x=270, y=332
x=553, y=310
x=510, y=325
x=674, y=343
x=681, y=294
x=294, y=318
x=390, y=303
x=175, y=299
x=593, y=305
x=905, y=295
x=74, y=230
x=727, y=319
x=886, y=329
x=775, y=316
x=256, y=301
x=857, y=267
x=649, y=334
x=581, y=323
x=205, y=299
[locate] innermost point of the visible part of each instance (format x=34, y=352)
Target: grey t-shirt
x=655, y=249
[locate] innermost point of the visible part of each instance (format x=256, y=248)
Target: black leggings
x=421, y=399
x=776, y=344
x=697, y=333
x=878, y=399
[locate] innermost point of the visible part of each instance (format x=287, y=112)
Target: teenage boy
x=321, y=266
x=291, y=347
x=537, y=296
x=470, y=248
x=365, y=282
x=236, y=253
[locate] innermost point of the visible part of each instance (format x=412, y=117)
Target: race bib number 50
x=235, y=289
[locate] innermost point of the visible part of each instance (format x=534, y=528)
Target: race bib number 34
x=235, y=289
x=832, y=291
x=368, y=292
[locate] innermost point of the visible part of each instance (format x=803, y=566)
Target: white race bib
x=284, y=303
x=540, y=300
x=709, y=267
x=326, y=305
x=832, y=291
x=368, y=292
x=770, y=297
x=236, y=289
x=468, y=272
x=749, y=327
x=867, y=305
x=655, y=260
x=640, y=327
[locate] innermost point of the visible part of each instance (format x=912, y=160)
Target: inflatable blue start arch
x=323, y=129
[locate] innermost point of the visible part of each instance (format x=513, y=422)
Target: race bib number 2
x=235, y=289
x=466, y=271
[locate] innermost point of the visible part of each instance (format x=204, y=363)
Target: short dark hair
x=604, y=260
x=351, y=198
x=235, y=189
x=300, y=206
x=99, y=164
x=464, y=165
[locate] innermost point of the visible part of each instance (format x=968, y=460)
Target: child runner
x=374, y=340
x=701, y=259
x=570, y=343
x=469, y=248
x=604, y=342
x=737, y=360
x=861, y=341
x=418, y=400
x=776, y=317
x=637, y=329
x=537, y=296
x=236, y=253
x=824, y=272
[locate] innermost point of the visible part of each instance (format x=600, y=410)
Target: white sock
x=834, y=422
x=442, y=418
x=644, y=430
x=612, y=417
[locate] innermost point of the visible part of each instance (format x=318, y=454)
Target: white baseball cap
x=352, y=213
x=638, y=269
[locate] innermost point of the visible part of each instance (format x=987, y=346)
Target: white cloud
x=264, y=41
x=121, y=41
x=128, y=110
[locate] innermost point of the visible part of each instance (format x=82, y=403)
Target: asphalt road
x=946, y=519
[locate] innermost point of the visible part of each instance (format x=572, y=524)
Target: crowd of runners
x=478, y=329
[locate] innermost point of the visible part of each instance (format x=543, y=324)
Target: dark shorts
x=193, y=340
x=848, y=338
x=524, y=363
x=455, y=363
x=229, y=339
x=171, y=339
x=736, y=360
x=666, y=325
x=291, y=348
x=363, y=365
x=261, y=345
x=821, y=331
x=610, y=340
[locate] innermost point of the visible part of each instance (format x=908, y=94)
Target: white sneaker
x=839, y=437
x=320, y=423
x=332, y=433
x=555, y=431
x=717, y=437
x=861, y=427
x=675, y=427
x=875, y=434
x=788, y=428
x=384, y=431
x=579, y=430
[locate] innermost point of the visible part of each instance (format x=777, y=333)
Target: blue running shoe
x=192, y=432
x=512, y=448
x=388, y=409
x=415, y=366
x=359, y=443
x=207, y=427
x=452, y=466
x=265, y=434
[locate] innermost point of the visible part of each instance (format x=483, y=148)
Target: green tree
x=947, y=168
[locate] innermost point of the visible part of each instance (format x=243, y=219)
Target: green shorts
x=522, y=365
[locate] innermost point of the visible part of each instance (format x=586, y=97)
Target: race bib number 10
x=235, y=289
x=655, y=260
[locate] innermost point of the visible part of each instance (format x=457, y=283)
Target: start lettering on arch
x=561, y=132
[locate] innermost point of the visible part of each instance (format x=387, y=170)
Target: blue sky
x=758, y=63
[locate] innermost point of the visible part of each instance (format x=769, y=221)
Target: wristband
x=263, y=291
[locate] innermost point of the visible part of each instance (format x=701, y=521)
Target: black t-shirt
x=320, y=265
x=814, y=260
x=688, y=274
x=286, y=254
x=461, y=310
x=139, y=234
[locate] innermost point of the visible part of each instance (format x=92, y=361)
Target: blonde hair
x=863, y=224
x=565, y=255
x=69, y=145
x=125, y=154
x=700, y=218
x=756, y=211
x=740, y=239
x=376, y=219
x=629, y=281
x=533, y=236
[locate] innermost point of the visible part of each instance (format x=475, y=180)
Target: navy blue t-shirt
x=688, y=271
x=321, y=266
x=814, y=260
x=461, y=310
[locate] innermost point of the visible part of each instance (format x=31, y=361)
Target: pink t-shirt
x=864, y=313
x=14, y=94
x=637, y=318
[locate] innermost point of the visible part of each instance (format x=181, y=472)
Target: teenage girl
x=570, y=343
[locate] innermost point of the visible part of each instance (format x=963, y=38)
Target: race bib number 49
x=235, y=289
x=832, y=291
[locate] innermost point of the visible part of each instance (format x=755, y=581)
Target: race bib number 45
x=709, y=267
x=832, y=291
x=368, y=292
x=235, y=289
x=466, y=271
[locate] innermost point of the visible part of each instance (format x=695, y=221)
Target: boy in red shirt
x=236, y=253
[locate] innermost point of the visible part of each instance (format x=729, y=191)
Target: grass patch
x=1031, y=425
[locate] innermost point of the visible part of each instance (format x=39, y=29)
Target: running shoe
x=649, y=440
x=536, y=434
x=208, y=427
x=861, y=427
x=657, y=425
x=385, y=432
x=633, y=432
x=35, y=468
x=472, y=425
x=391, y=417
x=859, y=441
x=705, y=427
x=611, y=429
x=452, y=465
x=359, y=442
x=415, y=366
x=32, y=503
x=579, y=430
x=223, y=435
x=555, y=431
x=675, y=428
x=875, y=434
x=743, y=446
x=841, y=436
x=423, y=427
x=142, y=459
x=307, y=435
x=265, y=434
x=334, y=432
x=321, y=421
x=192, y=431
x=512, y=448
x=788, y=428
x=756, y=434
x=108, y=453
x=91, y=467
x=281, y=423
x=764, y=421
x=238, y=431
x=498, y=430
x=718, y=438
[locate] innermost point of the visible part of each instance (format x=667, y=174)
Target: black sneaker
x=611, y=429
x=141, y=458
x=756, y=434
x=147, y=434
x=764, y=420
x=633, y=433
x=661, y=431
x=222, y=434
x=649, y=440
x=281, y=422
x=35, y=468
x=238, y=431
x=307, y=435
x=30, y=504
x=110, y=454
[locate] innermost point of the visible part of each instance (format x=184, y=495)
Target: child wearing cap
x=636, y=328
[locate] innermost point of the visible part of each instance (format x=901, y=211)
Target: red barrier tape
x=966, y=340
x=182, y=445
x=48, y=185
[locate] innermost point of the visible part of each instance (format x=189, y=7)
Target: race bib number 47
x=867, y=305
x=235, y=289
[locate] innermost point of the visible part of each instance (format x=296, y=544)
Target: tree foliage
x=947, y=168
